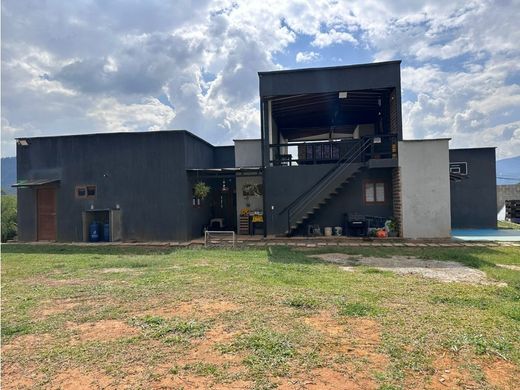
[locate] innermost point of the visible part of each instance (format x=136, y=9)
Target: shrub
x=8, y=217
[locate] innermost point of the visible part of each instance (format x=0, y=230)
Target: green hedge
x=8, y=217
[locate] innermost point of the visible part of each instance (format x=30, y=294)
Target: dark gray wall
x=333, y=79
x=473, y=200
x=144, y=173
x=351, y=200
x=224, y=156
x=286, y=183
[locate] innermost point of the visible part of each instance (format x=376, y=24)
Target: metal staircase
x=307, y=204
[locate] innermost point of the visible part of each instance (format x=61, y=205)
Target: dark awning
x=35, y=182
x=226, y=172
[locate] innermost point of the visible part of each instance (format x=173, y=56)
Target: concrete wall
x=248, y=152
x=425, y=188
x=507, y=192
x=474, y=199
x=255, y=203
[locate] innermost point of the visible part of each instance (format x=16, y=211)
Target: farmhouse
x=330, y=159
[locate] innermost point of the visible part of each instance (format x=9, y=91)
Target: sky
x=83, y=66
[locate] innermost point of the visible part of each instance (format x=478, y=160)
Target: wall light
x=23, y=142
x=343, y=95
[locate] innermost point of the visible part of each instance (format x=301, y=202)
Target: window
x=83, y=192
x=374, y=192
x=91, y=191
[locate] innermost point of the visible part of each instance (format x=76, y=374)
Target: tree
x=8, y=217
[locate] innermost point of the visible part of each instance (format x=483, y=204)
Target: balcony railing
x=328, y=152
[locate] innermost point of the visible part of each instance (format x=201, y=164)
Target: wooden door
x=46, y=207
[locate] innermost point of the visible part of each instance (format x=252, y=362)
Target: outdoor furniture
x=355, y=225
x=216, y=224
x=256, y=222
x=215, y=237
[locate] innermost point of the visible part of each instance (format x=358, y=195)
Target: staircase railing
x=300, y=203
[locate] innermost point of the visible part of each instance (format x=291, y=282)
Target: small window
x=85, y=192
x=91, y=191
x=81, y=192
x=374, y=192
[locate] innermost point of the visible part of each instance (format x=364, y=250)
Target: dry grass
x=116, y=318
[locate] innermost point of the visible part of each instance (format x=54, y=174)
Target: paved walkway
x=508, y=235
x=308, y=242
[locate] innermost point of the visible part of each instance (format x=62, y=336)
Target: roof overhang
x=35, y=183
x=218, y=172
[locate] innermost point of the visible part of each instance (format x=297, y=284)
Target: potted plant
x=392, y=228
x=201, y=190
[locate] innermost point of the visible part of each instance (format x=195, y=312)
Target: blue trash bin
x=106, y=232
x=93, y=232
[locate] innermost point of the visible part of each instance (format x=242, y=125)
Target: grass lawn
x=508, y=225
x=98, y=317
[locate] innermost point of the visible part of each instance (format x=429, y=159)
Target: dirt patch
x=50, y=282
x=56, y=307
x=102, y=330
x=448, y=374
x=119, y=270
x=452, y=372
x=76, y=379
x=356, y=342
x=502, y=374
x=326, y=323
x=509, y=266
x=204, y=350
x=193, y=308
x=328, y=378
x=26, y=342
x=444, y=271
x=16, y=377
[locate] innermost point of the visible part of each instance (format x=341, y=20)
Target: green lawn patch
x=274, y=314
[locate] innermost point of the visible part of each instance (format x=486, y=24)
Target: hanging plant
x=201, y=190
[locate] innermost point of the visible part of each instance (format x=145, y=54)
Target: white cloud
x=474, y=107
x=73, y=67
x=149, y=115
x=332, y=37
x=307, y=56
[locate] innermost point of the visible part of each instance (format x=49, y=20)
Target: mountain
x=8, y=174
x=508, y=170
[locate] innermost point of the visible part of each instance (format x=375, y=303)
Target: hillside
x=8, y=174
x=508, y=170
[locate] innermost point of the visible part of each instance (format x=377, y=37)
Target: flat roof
x=426, y=139
x=35, y=182
x=124, y=133
x=331, y=67
x=476, y=148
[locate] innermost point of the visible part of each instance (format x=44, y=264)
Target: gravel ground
x=445, y=271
